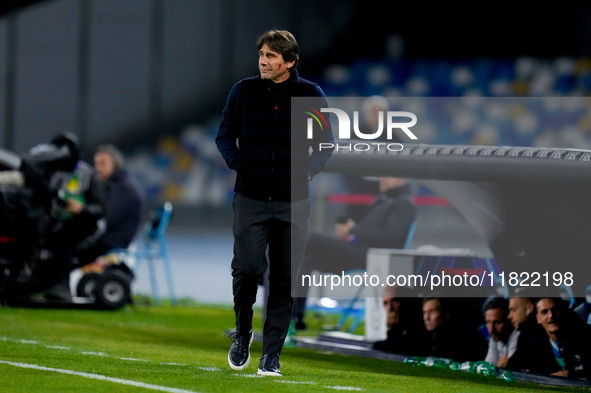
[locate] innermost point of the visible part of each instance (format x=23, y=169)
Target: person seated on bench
x=386, y=224
x=403, y=321
x=502, y=341
x=447, y=335
x=522, y=316
x=373, y=110
x=123, y=203
x=562, y=346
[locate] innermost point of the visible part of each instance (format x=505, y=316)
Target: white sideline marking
x=20, y=341
x=141, y=384
x=94, y=353
x=60, y=347
x=209, y=368
x=28, y=341
x=300, y=382
x=99, y=377
x=296, y=382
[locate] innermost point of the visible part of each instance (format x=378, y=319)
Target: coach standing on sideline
x=271, y=205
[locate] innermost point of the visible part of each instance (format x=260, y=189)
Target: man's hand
x=502, y=362
x=342, y=230
x=73, y=206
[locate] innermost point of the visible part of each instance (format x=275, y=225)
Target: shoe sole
x=269, y=373
x=238, y=368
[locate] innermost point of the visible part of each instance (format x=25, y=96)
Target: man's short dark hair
x=281, y=41
x=559, y=302
x=497, y=302
x=444, y=306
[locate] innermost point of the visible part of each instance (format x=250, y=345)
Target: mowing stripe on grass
x=98, y=377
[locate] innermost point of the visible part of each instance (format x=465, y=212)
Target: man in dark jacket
x=447, y=336
x=271, y=205
x=562, y=347
x=403, y=321
x=522, y=316
x=385, y=224
x=123, y=203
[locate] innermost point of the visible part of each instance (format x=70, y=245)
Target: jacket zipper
x=276, y=108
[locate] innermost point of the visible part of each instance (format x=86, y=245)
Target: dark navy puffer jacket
x=256, y=139
x=123, y=209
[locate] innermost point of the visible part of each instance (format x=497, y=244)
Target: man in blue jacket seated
x=386, y=224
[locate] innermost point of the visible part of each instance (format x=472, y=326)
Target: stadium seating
x=188, y=169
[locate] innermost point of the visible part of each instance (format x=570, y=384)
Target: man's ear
x=290, y=64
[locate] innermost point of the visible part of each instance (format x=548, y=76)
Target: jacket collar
x=394, y=192
x=294, y=77
x=117, y=175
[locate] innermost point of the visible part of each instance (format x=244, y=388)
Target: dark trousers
x=282, y=227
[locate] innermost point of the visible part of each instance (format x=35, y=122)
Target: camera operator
x=46, y=212
x=75, y=224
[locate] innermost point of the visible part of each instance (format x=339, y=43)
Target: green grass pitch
x=184, y=349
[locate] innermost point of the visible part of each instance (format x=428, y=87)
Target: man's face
x=388, y=183
x=519, y=310
x=548, y=315
x=497, y=323
x=272, y=66
x=432, y=315
x=104, y=165
x=392, y=306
